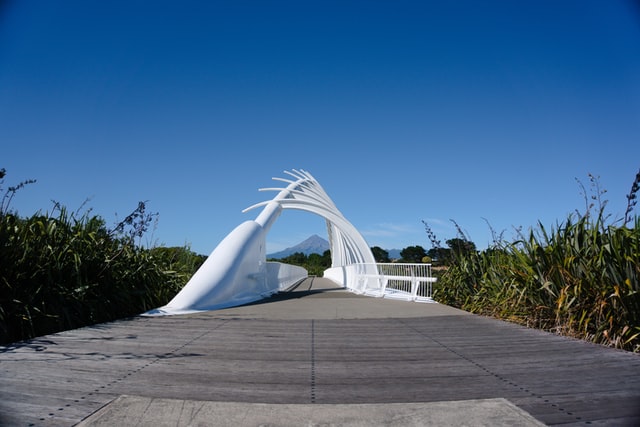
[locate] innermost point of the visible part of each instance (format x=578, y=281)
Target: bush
x=580, y=279
x=64, y=270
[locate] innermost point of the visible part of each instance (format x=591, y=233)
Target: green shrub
x=64, y=270
x=580, y=278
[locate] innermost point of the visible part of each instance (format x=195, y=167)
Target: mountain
x=313, y=245
x=394, y=253
x=317, y=245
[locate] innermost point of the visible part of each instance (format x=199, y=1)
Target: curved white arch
x=346, y=244
x=237, y=273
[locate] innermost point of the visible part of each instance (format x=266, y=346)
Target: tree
x=296, y=258
x=314, y=259
x=326, y=258
x=413, y=254
x=379, y=254
x=461, y=247
x=440, y=255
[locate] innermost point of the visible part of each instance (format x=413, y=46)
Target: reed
x=64, y=270
x=579, y=278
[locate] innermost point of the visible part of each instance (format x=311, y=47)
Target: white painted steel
x=237, y=273
x=346, y=244
x=412, y=282
x=286, y=275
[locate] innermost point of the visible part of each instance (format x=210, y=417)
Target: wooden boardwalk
x=309, y=347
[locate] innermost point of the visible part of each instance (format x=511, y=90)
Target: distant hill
x=394, y=253
x=317, y=245
x=313, y=245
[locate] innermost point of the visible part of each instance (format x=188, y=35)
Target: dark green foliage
x=576, y=280
x=379, y=254
x=461, y=247
x=315, y=264
x=413, y=254
x=580, y=278
x=178, y=261
x=60, y=271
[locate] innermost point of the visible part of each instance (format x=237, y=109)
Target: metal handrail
x=395, y=280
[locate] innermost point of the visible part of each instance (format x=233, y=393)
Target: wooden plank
x=315, y=359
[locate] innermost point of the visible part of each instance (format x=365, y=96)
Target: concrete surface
x=145, y=411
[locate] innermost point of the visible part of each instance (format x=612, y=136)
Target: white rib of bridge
x=305, y=193
x=237, y=273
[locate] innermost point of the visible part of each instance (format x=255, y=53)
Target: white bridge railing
x=394, y=280
x=281, y=276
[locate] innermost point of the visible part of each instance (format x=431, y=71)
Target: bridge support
x=237, y=273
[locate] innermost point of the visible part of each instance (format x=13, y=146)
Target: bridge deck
x=312, y=347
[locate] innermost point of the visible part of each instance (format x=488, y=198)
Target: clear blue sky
x=403, y=110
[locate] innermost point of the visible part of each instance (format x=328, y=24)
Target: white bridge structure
x=237, y=272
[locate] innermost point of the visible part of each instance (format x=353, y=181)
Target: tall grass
x=65, y=270
x=579, y=278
